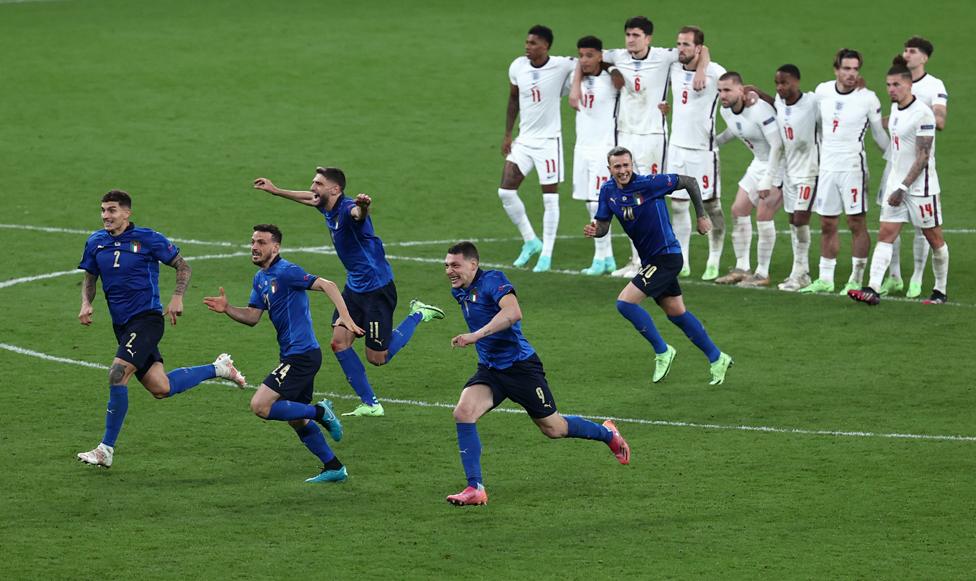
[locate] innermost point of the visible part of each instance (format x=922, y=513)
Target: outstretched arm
x=87, y=295
x=175, y=307
x=923, y=148
x=509, y=314
x=306, y=197
x=247, y=315
x=332, y=291
x=361, y=210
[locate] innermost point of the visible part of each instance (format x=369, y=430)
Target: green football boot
x=817, y=286
x=914, y=290
x=851, y=285
x=368, y=411
x=427, y=312
x=891, y=285
x=662, y=363
x=720, y=368
x=711, y=273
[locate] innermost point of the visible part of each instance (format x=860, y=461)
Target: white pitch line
x=640, y=421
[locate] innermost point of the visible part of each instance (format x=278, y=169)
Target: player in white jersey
x=641, y=72
x=692, y=149
x=755, y=126
x=912, y=188
x=538, y=83
x=595, y=129
x=846, y=112
x=798, y=119
x=931, y=91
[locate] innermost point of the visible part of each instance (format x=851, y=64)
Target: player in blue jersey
x=280, y=287
x=127, y=259
x=638, y=203
x=370, y=291
x=508, y=368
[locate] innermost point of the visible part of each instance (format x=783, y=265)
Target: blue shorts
x=373, y=311
x=524, y=383
x=139, y=339
x=658, y=277
x=294, y=378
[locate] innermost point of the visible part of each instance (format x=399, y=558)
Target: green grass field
x=842, y=446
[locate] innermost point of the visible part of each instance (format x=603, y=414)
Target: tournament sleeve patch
x=943, y=96
x=773, y=119
x=927, y=127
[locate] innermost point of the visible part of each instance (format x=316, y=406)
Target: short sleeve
x=670, y=55
x=88, y=262
x=926, y=124
x=162, y=249
x=610, y=56
x=255, y=301
x=603, y=213
x=874, y=112
x=498, y=285
x=663, y=184
x=513, y=72
x=941, y=95
x=295, y=277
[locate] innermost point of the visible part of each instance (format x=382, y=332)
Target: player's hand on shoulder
x=217, y=304
x=699, y=82
x=704, y=225
x=264, y=184
x=85, y=316
x=617, y=78
x=752, y=97
x=663, y=107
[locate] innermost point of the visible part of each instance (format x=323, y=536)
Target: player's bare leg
x=508, y=192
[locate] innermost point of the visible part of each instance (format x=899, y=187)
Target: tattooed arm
x=175, y=307
x=87, y=295
x=923, y=148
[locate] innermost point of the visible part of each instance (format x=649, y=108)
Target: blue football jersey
x=479, y=304
x=358, y=247
x=280, y=290
x=640, y=208
x=128, y=265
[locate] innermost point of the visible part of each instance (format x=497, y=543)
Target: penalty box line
x=638, y=421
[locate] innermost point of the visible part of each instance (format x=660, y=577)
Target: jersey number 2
x=116, y=263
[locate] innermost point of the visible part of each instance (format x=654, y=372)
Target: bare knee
x=116, y=374
x=552, y=432
x=376, y=357
x=465, y=414
x=261, y=409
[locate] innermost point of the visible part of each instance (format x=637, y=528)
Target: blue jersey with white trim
x=479, y=305
x=358, y=247
x=280, y=290
x=640, y=208
x=128, y=265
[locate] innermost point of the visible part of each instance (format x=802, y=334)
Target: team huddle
x=808, y=155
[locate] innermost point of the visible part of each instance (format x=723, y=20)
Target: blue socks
x=469, y=446
x=402, y=334
x=643, y=323
x=580, y=428
x=118, y=405
x=696, y=332
x=285, y=411
x=356, y=375
x=312, y=437
x=185, y=378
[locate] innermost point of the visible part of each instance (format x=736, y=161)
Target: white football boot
x=224, y=366
x=100, y=456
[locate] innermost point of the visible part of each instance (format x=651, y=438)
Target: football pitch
x=842, y=445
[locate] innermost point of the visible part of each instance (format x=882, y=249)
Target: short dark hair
x=847, y=53
x=642, y=22
x=122, y=197
x=334, y=175
x=466, y=249
x=731, y=76
x=619, y=150
x=699, y=35
x=791, y=70
x=270, y=229
x=543, y=32
x=590, y=42
x=921, y=44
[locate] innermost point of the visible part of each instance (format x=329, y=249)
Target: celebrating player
x=280, y=287
x=538, y=81
x=508, y=368
x=638, y=203
x=912, y=187
x=845, y=111
x=127, y=258
x=756, y=127
x=369, y=290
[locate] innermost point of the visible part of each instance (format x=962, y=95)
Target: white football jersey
x=645, y=86
x=798, y=124
x=931, y=91
x=597, y=116
x=693, y=112
x=754, y=126
x=540, y=90
x=844, y=119
x=906, y=125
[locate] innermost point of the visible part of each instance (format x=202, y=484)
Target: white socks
x=895, y=267
x=857, y=269
x=603, y=248
x=879, y=264
x=550, y=222
x=827, y=266
x=516, y=212
x=716, y=237
x=764, y=250
x=742, y=241
x=681, y=224
x=800, y=237
x=940, y=266
x=920, y=252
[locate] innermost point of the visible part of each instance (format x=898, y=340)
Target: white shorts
x=699, y=164
x=799, y=194
x=545, y=155
x=841, y=192
x=919, y=211
x=648, y=150
x=755, y=174
x=590, y=172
